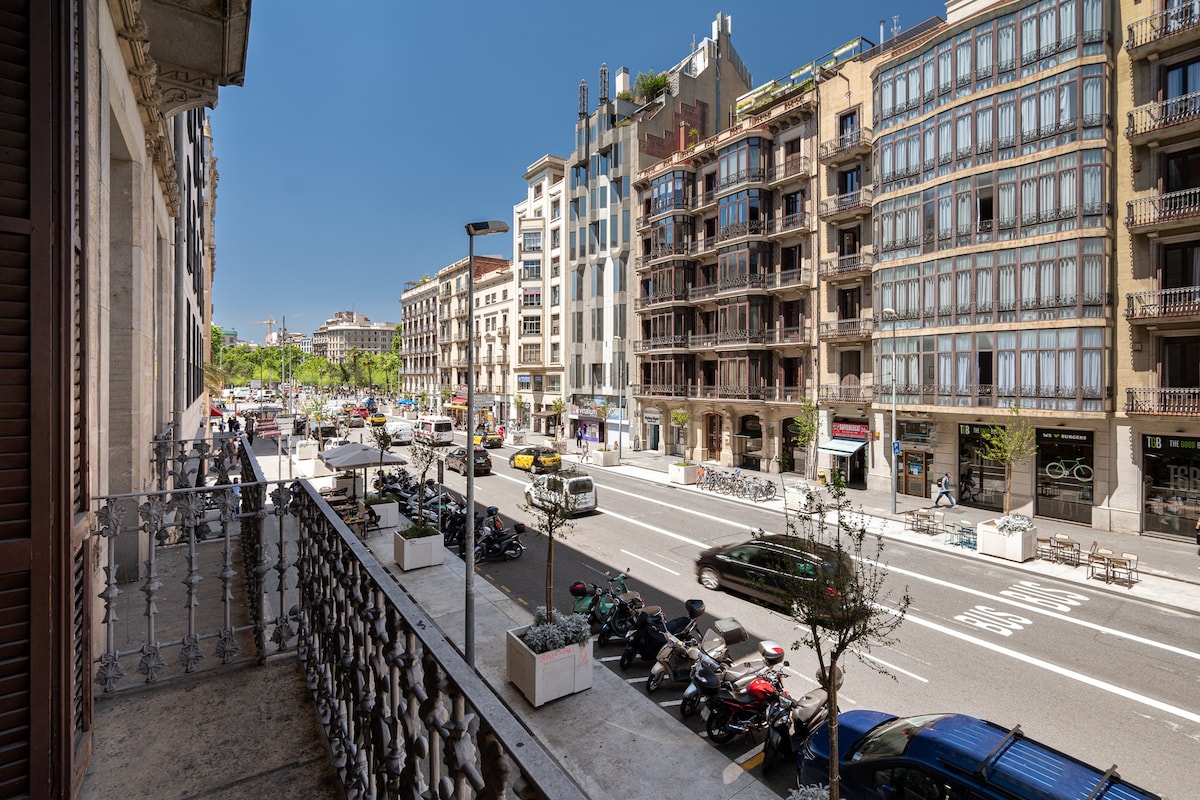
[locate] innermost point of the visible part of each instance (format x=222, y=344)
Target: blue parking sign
x=895, y=448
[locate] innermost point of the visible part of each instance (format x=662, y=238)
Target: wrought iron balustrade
x=1184, y=401
x=1179, y=302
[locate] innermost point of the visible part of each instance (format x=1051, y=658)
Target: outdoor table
x=1066, y=550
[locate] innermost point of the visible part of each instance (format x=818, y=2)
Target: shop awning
x=459, y=399
x=842, y=447
x=455, y=407
x=543, y=414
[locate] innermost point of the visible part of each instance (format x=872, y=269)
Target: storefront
x=848, y=450
x=1171, y=471
x=980, y=481
x=652, y=420
x=917, y=439
x=1065, y=470
x=747, y=443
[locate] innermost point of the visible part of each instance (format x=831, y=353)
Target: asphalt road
x=1104, y=678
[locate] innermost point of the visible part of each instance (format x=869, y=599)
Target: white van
x=574, y=490
x=434, y=430
x=400, y=430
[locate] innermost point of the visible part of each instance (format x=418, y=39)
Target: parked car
x=325, y=429
x=950, y=755
x=400, y=430
x=573, y=490
x=456, y=460
x=766, y=567
x=489, y=439
x=377, y=418
x=535, y=459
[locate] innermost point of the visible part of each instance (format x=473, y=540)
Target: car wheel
x=709, y=579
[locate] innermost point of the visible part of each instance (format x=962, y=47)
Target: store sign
x=849, y=430
x=651, y=416
x=976, y=430
x=1053, y=435
x=1174, y=445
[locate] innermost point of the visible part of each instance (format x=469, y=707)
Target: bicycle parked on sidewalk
x=735, y=483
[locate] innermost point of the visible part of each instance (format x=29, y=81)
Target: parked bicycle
x=735, y=483
x=1069, y=466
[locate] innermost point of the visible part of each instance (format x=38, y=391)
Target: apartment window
x=531, y=240
x=555, y=268
x=555, y=239
x=554, y=295
x=554, y=382
x=598, y=324
x=597, y=280
x=531, y=270
x=531, y=325
x=523, y=381
x=531, y=298
x=554, y=324
x=556, y=209
x=555, y=353
x=577, y=326
x=537, y=191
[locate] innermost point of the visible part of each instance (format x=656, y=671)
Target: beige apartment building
x=974, y=217
x=418, y=341
x=453, y=316
x=538, y=226
x=349, y=332
x=494, y=297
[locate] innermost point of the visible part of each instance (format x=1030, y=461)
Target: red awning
x=458, y=400
x=215, y=412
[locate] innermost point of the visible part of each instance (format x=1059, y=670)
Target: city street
x=1106, y=678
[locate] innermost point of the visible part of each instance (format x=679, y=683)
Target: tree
x=381, y=439
x=844, y=608
x=805, y=428
x=421, y=455
x=520, y=404
x=650, y=85
x=1008, y=446
x=680, y=418
x=559, y=407
x=554, y=519
x=603, y=410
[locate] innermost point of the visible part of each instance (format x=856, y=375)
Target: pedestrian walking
x=579, y=438
x=237, y=497
x=250, y=429
x=943, y=485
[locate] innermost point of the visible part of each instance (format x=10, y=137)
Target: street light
x=473, y=229
x=890, y=314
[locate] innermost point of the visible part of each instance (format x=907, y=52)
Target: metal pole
x=895, y=455
x=469, y=534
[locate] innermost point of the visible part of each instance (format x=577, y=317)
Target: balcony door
x=848, y=242
x=1181, y=171
x=1181, y=363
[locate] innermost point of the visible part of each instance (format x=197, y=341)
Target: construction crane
x=269, y=321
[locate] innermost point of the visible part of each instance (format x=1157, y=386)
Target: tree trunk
x=834, y=771
x=550, y=576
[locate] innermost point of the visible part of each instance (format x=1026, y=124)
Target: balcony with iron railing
x=727, y=338
x=1176, y=118
x=703, y=200
x=1171, y=402
x=242, y=612
x=670, y=341
x=1179, y=305
x=792, y=167
x=730, y=284
x=837, y=393
x=672, y=204
x=1172, y=211
x=791, y=335
x=847, y=206
x=1169, y=29
x=795, y=222
x=660, y=299
x=737, y=230
x=847, y=267
x=702, y=392
x=850, y=145
x=847, y=329
x=671, y=390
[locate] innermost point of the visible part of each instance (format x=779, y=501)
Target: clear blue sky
x=369, y=132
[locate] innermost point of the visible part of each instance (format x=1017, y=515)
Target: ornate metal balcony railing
x=845, y=143
x=853, y=328
x=792, y=335
x=1169, y=402
x=836, y=393
x=1163, y=114
x=754, y=227
x=1180, y=302
x=845, y=265
x=1163, y=208
x=667, y=342
x=659, y=298
x=729, y=392
x=848, y=202
x=399, y=706
x=1170, y=22
x=660, y=389
x=792, y=165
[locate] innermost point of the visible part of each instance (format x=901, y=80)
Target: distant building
x=349, y=330
x=418, y=342
x=452, y=316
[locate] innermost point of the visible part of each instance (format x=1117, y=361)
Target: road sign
x=895, y=448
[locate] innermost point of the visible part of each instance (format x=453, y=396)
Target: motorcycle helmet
x=519, y=527
x=578, y=588
x=761, y=690
x=492, y=511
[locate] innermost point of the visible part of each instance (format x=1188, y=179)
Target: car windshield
x=891, y=738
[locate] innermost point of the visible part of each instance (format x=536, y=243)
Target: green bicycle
x=1069, y=466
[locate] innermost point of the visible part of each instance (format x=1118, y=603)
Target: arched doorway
x=713, y=426
x=748, y=442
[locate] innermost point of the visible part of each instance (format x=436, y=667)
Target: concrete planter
x=685, y=474
x=543, y=677
x=1012, y=546
x=417, y=553
x=389, y=514
x=306, y=450
x=605, y=458
x=349, y=484
x=559, y=445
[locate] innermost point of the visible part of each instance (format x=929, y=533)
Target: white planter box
x=686, y=475
x=306, y=450
x=417, y=553
x=349, y=484
x=543, y=677
x=605, y=458
x=389, y=514
x=1014, y=547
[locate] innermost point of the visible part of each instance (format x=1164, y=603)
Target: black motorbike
x=621, y=617
x=791, y=720
x=495, y=546
x=648, y=635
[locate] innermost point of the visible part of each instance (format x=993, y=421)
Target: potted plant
x=602, y=456
x=1013, y=536
x=551, y=658
x=417, y=546
x=684, y=472
x=680, y=417
x=388, y=510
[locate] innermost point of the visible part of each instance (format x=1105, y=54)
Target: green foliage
x=650, y=85
x=553, y=631
x=380, y=439
x=1008, y=446
x=420, y=531
x=804, y=428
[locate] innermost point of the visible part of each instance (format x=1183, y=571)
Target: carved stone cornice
x=183, y=90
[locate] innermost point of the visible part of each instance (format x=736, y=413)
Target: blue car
x=951, y=757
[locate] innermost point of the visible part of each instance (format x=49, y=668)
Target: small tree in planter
x=680, y=418
x=1009, y=446
x=559, y=407
x=520, y=404
x=422, y=456
x=805, y=427
x=382, y=440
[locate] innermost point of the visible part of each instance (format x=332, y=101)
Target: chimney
x=623, y=84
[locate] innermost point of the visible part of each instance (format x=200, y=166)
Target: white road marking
x=651, y=563
x=912, y=675
x=1191, y=716
x=663, y=531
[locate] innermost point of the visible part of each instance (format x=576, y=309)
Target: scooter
x=791, y=720
x=596, y=602
x=652, y=633
x=677, y=659
x=496, y=545
x=710, y=673
x=621, y=618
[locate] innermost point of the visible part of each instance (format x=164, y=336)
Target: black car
x=456, y=460
x=768, y=568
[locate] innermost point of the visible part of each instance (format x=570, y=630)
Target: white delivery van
x=400, y=430
x=573, y=490
x=434, y=430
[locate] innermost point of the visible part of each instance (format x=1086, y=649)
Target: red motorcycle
x=739, y=710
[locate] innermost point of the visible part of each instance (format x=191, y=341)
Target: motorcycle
x=736, y=711
x=790, y=721
x=652, y=633
x=621, y=618
x=596, y=602
x=500, y=545
x=677, y=659
x=710, y=673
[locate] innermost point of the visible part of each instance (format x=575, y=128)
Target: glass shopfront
x=980, y=482
x=1064, y=475
x=917, y=442
x=1171, y=471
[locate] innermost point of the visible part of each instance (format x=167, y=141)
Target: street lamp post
x=890, y=314
x=473, y=229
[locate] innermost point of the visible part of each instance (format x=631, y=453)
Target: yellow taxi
x=536, y=459
x=377, y=418
x=489, y=439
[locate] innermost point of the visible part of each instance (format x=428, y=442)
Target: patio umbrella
x=407, y=402
x=355, y=456
x=215, y=412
